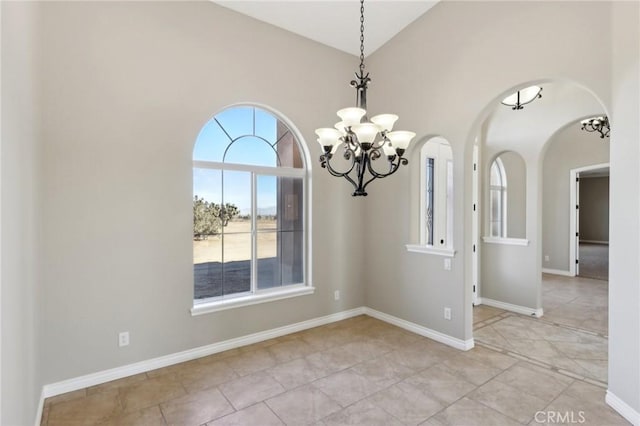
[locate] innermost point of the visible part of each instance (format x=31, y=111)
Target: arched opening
x=511, y=286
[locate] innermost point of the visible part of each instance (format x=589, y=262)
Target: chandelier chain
x=361, y=35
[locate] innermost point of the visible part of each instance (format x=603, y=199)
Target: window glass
x=248, y=221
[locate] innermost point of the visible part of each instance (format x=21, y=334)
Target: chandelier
x=522, y=97
x=361, y=140
x=597, y=124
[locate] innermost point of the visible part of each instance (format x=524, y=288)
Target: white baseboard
x=513, y=308
x=557, y=272
x=40, y=409
x=464, y=345
x=623, y=408
x=100, y=377
x=188, y=355
x=604, y=243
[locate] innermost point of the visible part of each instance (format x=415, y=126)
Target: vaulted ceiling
x=336, y=23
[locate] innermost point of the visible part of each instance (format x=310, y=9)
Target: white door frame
x=475, y=231
x=573, y=213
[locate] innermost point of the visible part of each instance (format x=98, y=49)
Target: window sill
x=254, y=299
x=416, y=248
x=506, y=241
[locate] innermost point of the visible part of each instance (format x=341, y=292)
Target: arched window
x=498, y=200
x=249, y=196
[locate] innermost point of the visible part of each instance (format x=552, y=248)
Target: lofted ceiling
x=336, y=23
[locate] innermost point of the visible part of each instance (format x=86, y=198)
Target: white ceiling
x=336, y=23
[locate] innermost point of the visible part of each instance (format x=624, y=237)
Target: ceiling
x=336, y=23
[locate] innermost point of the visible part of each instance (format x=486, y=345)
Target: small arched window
x=249, y=204
x=498, y=200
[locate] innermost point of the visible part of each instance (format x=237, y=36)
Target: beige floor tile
x=588, y=401
x=291, y=349
x=508, y=400
x=347, y=387
x=540, y=382
x=368, y=349
x=383, y=371
x=334, y=359
x=296, y=373
x=197, y=408
x=595, y=368
x=151, y=392
x=147, y=417
x=363, y=413
x=172, y=369
x=467, y=412
x=490, y=357
x=302, y=406
x=45, y=415
x=471, y=370
x=116, y=384
x=251, y=362
x=201, y=376
x=251, y=389
x=408, y=405
x=483, y=312
x=414, y=358
x=258, y=414
x=440, y=383
x=89, y=410
x=80, y=393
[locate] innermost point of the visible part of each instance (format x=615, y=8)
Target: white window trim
x=506, y=241
x=208, y=306
x=503, y=197
x=418, y=248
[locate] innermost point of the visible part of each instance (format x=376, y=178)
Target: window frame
x=502, y=191
x=256, y=295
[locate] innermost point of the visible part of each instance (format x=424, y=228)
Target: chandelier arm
x=325, y=163
x=394, y=165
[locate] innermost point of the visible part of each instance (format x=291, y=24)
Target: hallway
x=571, y=337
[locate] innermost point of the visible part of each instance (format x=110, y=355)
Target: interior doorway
x=590, y=222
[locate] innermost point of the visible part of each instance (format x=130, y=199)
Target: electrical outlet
x=336, y=295
x=123, y=339
x=546, y=257
x=447, y=264
x=447, y=313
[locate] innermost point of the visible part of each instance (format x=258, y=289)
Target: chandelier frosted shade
x=523, y=97
x=385, y=122
x=351, y=116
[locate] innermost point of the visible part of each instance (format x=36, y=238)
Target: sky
x=235, y=186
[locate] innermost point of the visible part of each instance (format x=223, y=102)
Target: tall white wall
x=569, y=148
x=127, y=87
x=20, y=224
x=624, y=231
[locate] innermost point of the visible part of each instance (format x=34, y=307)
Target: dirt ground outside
x=237, y=243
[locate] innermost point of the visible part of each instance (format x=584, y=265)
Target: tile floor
x=359, y=371
x=570, y=337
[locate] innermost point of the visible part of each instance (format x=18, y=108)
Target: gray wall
x=20, y=206
x=594, y=209
x=624, y=232
x=128, y=87
x=516, y=171
x=568, y=149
